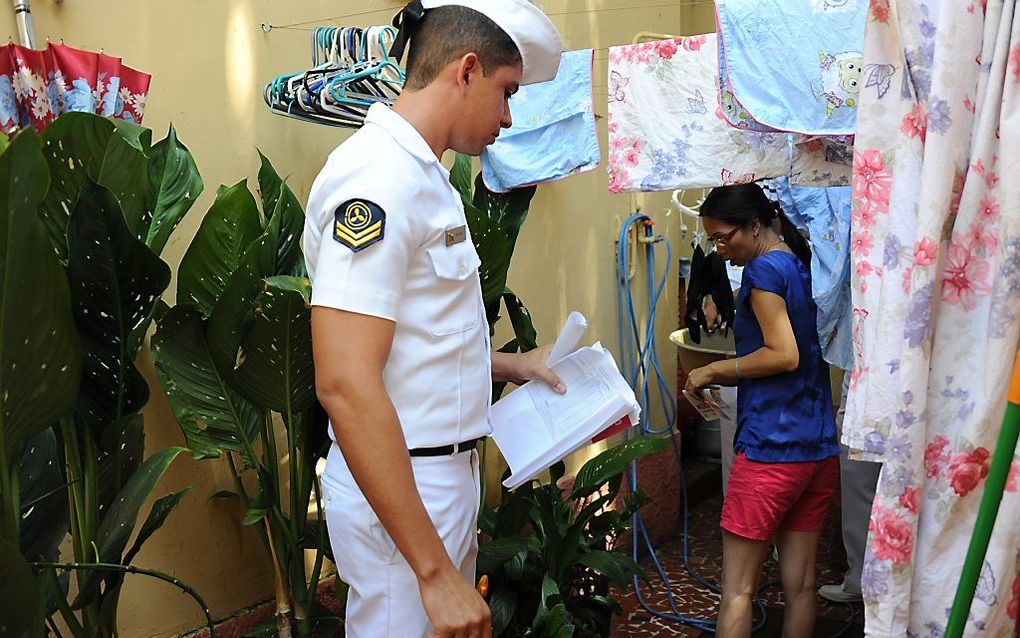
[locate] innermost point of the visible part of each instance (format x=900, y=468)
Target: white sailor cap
x=530, y=29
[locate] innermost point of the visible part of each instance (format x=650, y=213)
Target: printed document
x=535, y=427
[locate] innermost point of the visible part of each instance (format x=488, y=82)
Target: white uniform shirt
x=438, y=374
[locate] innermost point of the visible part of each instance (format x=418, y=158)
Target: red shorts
x=764, y=497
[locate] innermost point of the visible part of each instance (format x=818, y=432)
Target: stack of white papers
x=535, y=427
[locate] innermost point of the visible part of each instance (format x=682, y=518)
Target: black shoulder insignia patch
x=359, y=223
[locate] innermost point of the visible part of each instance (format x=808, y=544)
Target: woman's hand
x=713, y=320
x=700, y=378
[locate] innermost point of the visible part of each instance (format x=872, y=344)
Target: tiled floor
x=705, y=552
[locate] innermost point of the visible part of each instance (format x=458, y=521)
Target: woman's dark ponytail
x=793, y=238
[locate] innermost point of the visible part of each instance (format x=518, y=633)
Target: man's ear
x=468, y=66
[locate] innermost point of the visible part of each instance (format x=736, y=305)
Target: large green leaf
x=275, y=367
x=503, y=606
x=283, y=210
x=213, y=416
x=45, y=519
x=125, y=171
x=550, y=597
x=115, y=284
x=520, y=319
x=616, y=566
x=492, y=555
x=460, y=177
x=121, y=446
x=509, y=210
x=40, y=359
x=18, y=592
x=234, y=313
x=230, y=226
x=494, y=250
x=119, y=521
x=556, y=624
x=84, y=145
x=174, y=185
x=161, y=509
x=613, y=462
x=74, y=142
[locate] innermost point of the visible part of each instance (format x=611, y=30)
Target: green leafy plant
x=549, y=552
x=87, y=209
x=235, y=358
x=495, y=221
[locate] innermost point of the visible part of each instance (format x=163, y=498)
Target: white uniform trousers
x=384, y=601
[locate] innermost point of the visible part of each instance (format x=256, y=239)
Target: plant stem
x=92, y=489
x=244, y=495
x=76, y=489
x=238, y=485
x=282, y=598
x=8, y=499
x=65, y=610
x=319, y=554
x=128, y=569
x=92, y=612
x=269, y=454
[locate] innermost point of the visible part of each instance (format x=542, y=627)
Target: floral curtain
x=936, y=301
x=37, y=86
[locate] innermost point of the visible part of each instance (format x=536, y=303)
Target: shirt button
x=463, y=269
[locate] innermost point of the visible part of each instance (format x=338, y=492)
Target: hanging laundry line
x=268, y=26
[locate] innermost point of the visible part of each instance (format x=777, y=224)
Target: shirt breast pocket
x=456, y=290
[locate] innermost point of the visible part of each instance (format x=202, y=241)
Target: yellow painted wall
x=209, y=61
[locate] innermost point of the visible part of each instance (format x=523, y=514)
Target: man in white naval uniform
x=402, y=356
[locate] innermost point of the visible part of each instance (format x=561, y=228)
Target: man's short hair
x=449, y=32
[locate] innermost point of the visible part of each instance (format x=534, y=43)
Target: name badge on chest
x=456, y=235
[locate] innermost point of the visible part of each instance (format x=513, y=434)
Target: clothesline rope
x=301, y=26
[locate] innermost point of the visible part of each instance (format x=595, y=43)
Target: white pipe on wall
x=26, y=30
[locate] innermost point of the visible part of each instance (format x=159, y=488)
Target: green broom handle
x=994, y=487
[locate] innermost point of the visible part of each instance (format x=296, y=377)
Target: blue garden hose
x=639, y=364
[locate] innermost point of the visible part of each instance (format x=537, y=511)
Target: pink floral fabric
x=936, y=296
x=667, y=129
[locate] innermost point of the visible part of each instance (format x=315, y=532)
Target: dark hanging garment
x=708, y=277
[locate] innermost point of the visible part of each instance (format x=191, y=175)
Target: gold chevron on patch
x=359, y=223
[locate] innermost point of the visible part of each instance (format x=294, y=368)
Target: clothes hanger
x=351, y=71
x=699, y=236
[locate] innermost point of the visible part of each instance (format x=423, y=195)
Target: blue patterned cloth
x=825, y=214
x=812, y=87
x=553, y=133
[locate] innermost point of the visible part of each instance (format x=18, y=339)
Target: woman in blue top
x=786, y=470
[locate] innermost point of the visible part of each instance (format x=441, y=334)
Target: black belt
x=445, y=450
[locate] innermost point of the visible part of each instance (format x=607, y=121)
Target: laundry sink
x=712, y=348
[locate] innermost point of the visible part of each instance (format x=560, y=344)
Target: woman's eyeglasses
x=724, y=238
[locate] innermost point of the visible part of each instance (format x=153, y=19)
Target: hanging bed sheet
x=812, y=88
x=667, y=129
x=664, y=130
x=825, y=214
x=553, y=133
